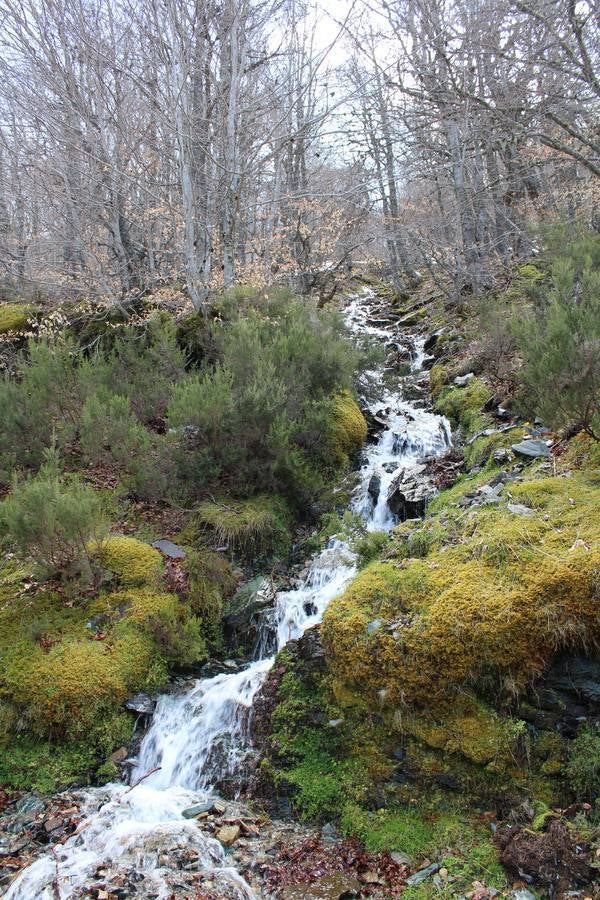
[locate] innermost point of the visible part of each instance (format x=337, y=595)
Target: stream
x=202, y=734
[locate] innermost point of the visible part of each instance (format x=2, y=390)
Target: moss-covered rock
x=131, y=561
x=463, y=405
x=348, y=428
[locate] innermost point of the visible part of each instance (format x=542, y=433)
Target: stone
x=193, y=811
x=401, y=859
x=141, y=703
x=463, y=380
x=501, y=456
x=374, y=626
x=431, y=340
x=519, y=509
x=228, y=834
x=253, y=597
x=374, y=487
x=521, y=894
x=169, y=549
x=410, y=492
x=531, y=449
x=119, y=755
x=422, y=874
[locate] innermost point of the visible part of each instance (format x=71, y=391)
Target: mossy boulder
x=348, y=428
x=463, y=405
x=132, y=562
x=474, y=603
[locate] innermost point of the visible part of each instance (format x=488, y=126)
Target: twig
x=147, y=775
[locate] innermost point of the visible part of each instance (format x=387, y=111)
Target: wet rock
x=409, y=321
x=192, y=811
x=119, y=755
x=410, y=492
x=169, y=549
x=376, y=423
x=248, y=602
x=141, y=703
x=374, y=487
x=402, y=859
x=422, y=874
x=432, y=340
x=531, y=449
x=463, y=380
x=228, y=834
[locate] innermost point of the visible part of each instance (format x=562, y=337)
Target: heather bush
x=559, y=339
x=53, y=520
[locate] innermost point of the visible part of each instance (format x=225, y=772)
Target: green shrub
x=53, y=519
x=559, y=340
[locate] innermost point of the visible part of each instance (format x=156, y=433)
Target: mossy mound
x=490, y=601
x=68, y=665
x=348, y=428
x=258, y=525
x=131, y=561
x=463, y=405
x=13, y=317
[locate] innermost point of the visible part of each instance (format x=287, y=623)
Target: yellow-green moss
x=472, y=730
x=463, y=405
x=256, y=525
x=13, y=317
x=480, y=451
x=490, y=608
x=133, y=562
x=438, y=379
x=348, y=428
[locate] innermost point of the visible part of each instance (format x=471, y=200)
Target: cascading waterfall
x=200, y=736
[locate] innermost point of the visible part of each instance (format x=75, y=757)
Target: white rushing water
x=201, y=735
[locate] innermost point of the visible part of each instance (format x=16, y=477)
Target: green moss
x=583, y=767
x=480, y=451
x=463, y=405
x=13, y=317
x=29, y=764
x=472, y=730
x=493, y=599
x=530, y=272
x=348, y=428
x=211, y=583
x=438, y=379
x=131, y=561
x=257, y=525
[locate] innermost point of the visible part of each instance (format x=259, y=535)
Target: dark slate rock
x=531, y=449
x=169, y=549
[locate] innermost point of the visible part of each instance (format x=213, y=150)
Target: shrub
x=53, y=520
x=559, y=340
